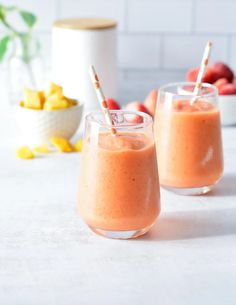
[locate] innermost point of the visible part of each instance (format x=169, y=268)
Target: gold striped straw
x=101, y=98
x=201, y=73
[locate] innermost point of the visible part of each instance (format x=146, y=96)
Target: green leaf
x=29, y=18
x=2, y=12
x=3, y=46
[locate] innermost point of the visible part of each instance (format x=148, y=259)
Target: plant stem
x=9, y=27
x=31, y=75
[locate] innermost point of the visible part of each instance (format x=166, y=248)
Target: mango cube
x=41, y=96
x=42, y=149
x=32, y=99
x=71, y=101
x=54, y=88
x=24, y=153
x=56, y=104
x=62, y=144
x=55, y=99
x=78, y=145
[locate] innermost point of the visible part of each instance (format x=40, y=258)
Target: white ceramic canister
x=78, y=43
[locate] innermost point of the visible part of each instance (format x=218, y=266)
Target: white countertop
x=49, y=257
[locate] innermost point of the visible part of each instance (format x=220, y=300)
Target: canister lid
x=85, y=23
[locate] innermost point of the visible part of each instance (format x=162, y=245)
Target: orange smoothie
x=119, y=186
x=189, y=147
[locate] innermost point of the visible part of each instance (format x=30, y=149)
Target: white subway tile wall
x=160, y=16
x=158, y=39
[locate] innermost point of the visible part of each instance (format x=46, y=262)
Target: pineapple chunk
x=78, y=145
x=21, y=103
x=32, y=99
x=42, y=149
x=62, y=144
x=54, y=88
x=24, y=153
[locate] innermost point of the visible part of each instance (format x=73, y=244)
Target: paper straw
x=201, y=73
x=101, y=98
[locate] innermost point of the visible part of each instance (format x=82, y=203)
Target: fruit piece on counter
x=25, y=153
x=227, y=89
x=78, y=145
x=151, y=101
x=32, y=99
x=112, y=104
x=223, y=70
x=211, y=76
x=54, y=88
x=42, y=149
x=61, y=144
x=21, y=103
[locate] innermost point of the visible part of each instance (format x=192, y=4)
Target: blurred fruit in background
x=222, y=76
x=148, y=106
x=112, y=104
x=218, y=74
x=151, y=101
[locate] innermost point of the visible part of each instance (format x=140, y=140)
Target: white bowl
x=227, y=105
x=36, y=127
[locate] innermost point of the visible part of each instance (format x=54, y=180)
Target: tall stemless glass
x=119, y=193
x=188, y=138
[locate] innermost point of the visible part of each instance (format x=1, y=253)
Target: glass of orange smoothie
x=119, y=193
x=188, y=138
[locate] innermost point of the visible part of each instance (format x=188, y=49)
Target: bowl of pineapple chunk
x=41, y=116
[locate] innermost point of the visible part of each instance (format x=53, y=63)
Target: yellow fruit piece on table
x=21, y=103
x=56, y=104
x=62, y=144
x=54, y=88
x=32, y=99
x=42, y=149
x=78, y=145
x=24, y=153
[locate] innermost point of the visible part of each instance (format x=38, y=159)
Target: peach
x=227, y=89
x=136, y=106
x=112, y=104
x=220, y=82
x=210, y=76
x=151, y=101
x=234, y=80
x=223, y=71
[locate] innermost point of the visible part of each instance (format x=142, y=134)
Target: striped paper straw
x=201, y=73
x=101, y=98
